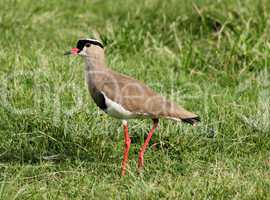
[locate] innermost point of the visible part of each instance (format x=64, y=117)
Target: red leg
x=141, y=153
x=127, y=146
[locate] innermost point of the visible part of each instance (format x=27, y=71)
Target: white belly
x=116, y=110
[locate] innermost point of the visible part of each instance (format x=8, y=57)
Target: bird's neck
x=94, y=63
x=94, y=68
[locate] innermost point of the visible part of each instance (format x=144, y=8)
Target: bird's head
x=87, y=48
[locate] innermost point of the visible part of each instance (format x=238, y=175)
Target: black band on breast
x=100, y=100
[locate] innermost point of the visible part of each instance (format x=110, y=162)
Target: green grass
x=212, y=57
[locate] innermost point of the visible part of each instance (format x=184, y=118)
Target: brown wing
x=137, y=98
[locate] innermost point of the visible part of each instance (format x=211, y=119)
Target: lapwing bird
x=123, y=97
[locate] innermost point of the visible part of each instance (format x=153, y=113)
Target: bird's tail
x=180, y=114
x=192, y=120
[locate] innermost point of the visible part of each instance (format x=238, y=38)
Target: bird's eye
x=88, y=45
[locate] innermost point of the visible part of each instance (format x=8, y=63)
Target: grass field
x=212, y=57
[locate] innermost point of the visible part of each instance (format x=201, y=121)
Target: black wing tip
x=192, y=120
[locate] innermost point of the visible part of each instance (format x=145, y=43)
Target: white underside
x=173, y=118
x=116, y=110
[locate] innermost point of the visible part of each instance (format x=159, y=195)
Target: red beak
x=73, y=51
